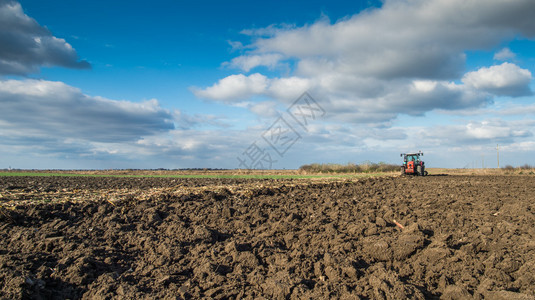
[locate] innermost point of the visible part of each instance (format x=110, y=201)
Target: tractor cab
x=412, y=164
x=415, y=157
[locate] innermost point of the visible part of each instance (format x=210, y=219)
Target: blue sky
x=182, y=84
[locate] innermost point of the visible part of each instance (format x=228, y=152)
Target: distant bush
x=367, y=167
x=508, y=168
x=330, y=168
x=525, y=167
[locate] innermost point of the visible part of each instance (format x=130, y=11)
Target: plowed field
x=146, y=238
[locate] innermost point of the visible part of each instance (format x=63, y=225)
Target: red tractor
x=412, y=164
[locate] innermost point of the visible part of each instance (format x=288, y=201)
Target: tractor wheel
x=402, y=170
x=425, y=173
x=419, y=171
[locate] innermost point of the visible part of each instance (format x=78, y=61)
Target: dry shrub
x=366, y=167
x=526, y=167
x=509, y=168
x=520, y=169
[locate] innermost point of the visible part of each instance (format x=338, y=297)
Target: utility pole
x=498, y=154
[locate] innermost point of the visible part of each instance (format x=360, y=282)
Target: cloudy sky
x=278, y=84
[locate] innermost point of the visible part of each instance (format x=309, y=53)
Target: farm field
x=454, y=236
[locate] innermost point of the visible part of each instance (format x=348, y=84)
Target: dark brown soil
x=55, y=183
x=463, y=237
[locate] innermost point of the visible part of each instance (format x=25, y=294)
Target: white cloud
x=401, y=39
x=265, y=109
x=267, y=31
x=47, y=109
x=186, y=121
x=246, y=63
x=234, y=88
x=525, y=146
x=506, y=79
x=50, y=120
x=287, y=89
x=504, y=54
x=25, y=45
x=378, y=102
x=402, y=58
x=199, y=148
x=520, y=110
x=494, y=130
x=237, y=88
x=235, y=45
x=478, y=132
x=410, y=97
